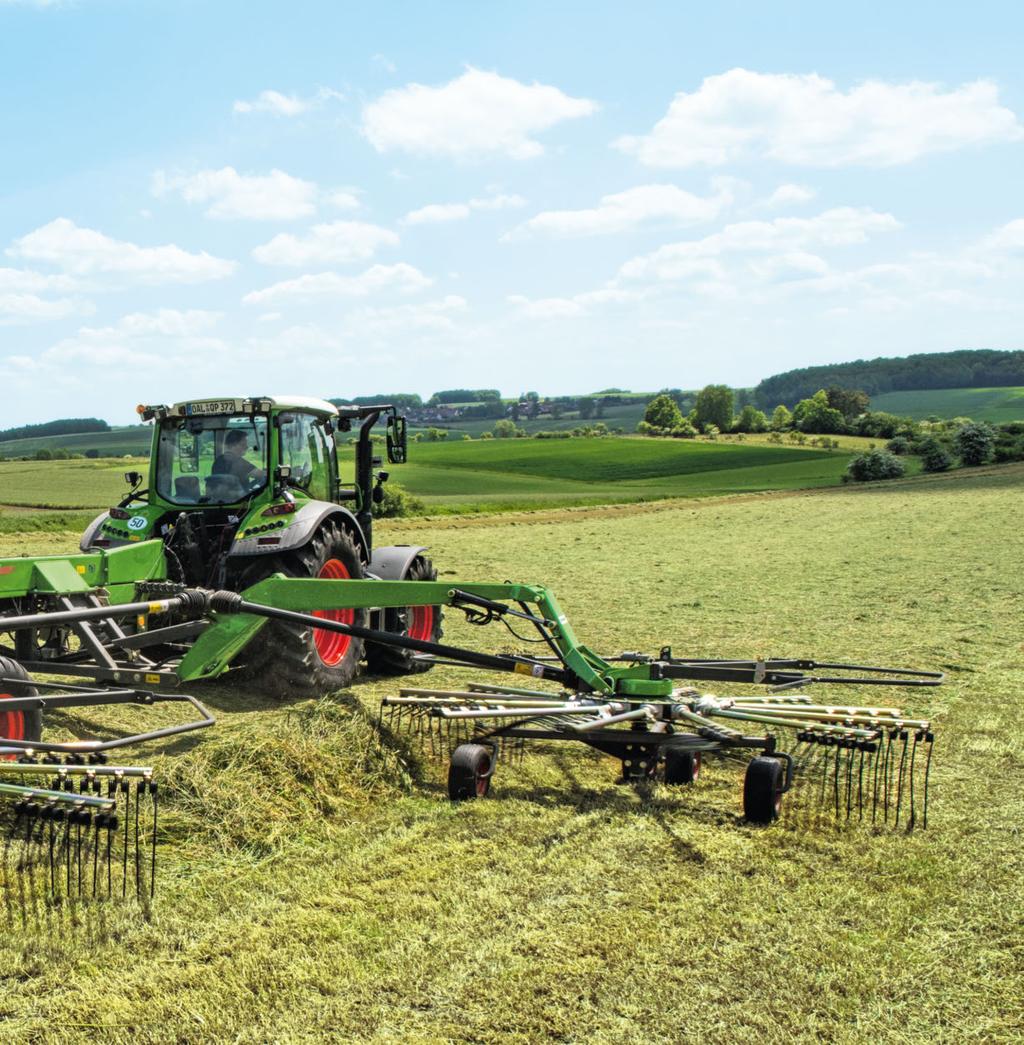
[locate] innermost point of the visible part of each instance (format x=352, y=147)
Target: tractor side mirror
x=397, y=440
x=133, y=479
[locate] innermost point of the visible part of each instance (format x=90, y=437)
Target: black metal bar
x=158, y=636
x=500, y=662
x=36, y=620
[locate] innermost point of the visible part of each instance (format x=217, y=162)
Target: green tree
x=505, y=429
x=782, y=419
x=974, y=443
x=934, y=456
x=849, y=402
x=751, y=420
x=873, y=465
x=714, y=407
x=586, y=406
x=663, y=413
x=815, y=415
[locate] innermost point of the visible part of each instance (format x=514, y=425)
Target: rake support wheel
x=291, y=660
x=762, y=790
x=470, y=772
x=681, y=767
x=414, y=622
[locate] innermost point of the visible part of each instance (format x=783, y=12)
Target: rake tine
x=152, y=865
x=127, y=792
x=899, y=779
x=835, y=781
x=851, y=754
x=913, y=809
x=930, y=740
x=887, y=774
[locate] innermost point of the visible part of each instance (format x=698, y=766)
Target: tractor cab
x=232, y=479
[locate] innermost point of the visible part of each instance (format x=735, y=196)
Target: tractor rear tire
x=291, y=660
x=762, y=790
x=17, y=725
x=415, y=622
x=470, y=772
x=681, y=767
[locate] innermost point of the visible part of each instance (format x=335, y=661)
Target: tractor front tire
x=291, y=660
x=414, y=622
x=26, y=726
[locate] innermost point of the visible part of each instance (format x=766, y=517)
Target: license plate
x=214, y=406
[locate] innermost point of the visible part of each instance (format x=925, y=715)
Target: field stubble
x=359, y=904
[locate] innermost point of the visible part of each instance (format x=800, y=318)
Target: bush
x=397, y=502
x=552, y=435
x=934, y=456
x=486, y=435
x=874, y=465
x=974, y=443
x=899, y=445
x=44, y=455
x=684, y=430
x=712, y=431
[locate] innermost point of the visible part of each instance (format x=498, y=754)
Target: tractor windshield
x=212, y=459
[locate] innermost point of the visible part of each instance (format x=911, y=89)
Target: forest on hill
x=967, y=368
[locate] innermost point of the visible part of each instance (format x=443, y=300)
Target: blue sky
x=200, y=198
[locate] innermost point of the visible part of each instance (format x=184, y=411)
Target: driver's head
x=234, y=442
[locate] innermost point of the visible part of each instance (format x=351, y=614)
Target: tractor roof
x=308, y=404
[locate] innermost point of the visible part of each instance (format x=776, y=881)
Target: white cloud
x=807, y=120
x=165, y=322
x=26, y=279
x=401, y=277
x=574, y=306
x=30, y=308
x=786, y=196
x=474, y=114
x=839, y=226
x=621, y=211
x=343, y=199
x=334, y=243
x=434, y=213
x=425, y=316
x=278, y=104
x=85, y=252
x=1008, y=239
x=276, y=196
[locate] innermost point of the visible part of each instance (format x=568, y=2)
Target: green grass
x=489, y=475
x=317, y=885
x=982, y=404
x=134, y=440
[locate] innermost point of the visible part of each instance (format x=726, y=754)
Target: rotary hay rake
x=81, y=831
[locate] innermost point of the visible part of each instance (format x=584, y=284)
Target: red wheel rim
x=12, y=726
x=421, y=623
x=331, y=646
x=483, y=778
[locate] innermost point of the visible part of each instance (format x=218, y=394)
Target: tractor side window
x=304, y=451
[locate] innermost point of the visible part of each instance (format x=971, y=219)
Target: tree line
x=64, y=426
x=966, y=368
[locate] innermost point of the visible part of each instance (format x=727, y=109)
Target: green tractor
x=242, y=489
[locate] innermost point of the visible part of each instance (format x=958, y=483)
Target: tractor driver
x=232, y=462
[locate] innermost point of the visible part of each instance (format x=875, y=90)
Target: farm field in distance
x=495, y=474
x=996, y=405
x=532, y=914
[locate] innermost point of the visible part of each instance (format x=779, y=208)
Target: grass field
x=498, y=474
x=136, y=439
x=982, y=404
x=317, y=885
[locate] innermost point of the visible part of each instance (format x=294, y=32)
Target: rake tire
x=681, y=767
x=18, y=725
x=469, y=772
x=762, y=790
x=287, y=660
x=419, y=622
